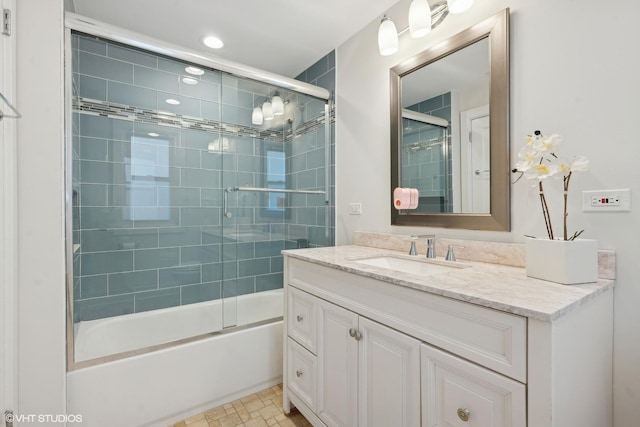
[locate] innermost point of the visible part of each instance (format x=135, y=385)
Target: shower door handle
x=227, y=214
x=478, y=171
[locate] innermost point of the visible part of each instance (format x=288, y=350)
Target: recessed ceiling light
x=213, y=42
x=194, y=70
x=153, y=134
x=172, y=101
x=189, y=81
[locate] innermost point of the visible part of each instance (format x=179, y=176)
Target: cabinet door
x=457, y=393
x=389, y=391
x=337, y=366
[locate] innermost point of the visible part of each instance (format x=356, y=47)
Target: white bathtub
x=113, y=335
x=162, y=387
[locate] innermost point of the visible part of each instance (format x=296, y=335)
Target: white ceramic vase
x=561, y=261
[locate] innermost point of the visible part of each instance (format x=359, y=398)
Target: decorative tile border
x=125, y=112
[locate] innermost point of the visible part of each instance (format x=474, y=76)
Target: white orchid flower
x=528, y=158
x=547, y=144
x=575, y=164
x=579, y=164
x=542, y=171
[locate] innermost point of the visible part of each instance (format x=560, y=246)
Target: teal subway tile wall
x=426, y=159
x=154, y=159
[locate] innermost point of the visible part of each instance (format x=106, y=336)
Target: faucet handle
x=450, y=255
x=412, y=250
x=431, y=247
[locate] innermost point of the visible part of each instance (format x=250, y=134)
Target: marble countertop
x=500, y=287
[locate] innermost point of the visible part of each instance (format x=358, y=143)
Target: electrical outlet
x=606, y=200
x=355, y=208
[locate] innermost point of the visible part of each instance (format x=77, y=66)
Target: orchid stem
x=566, y=191
x=545, y=211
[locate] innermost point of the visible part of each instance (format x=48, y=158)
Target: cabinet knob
x=463, y=414
x=299, y=318
x=298, y=374
x=355, y=334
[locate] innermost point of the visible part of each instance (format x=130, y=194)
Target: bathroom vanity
x=374, y=337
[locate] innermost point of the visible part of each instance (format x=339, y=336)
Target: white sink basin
x=417, y=266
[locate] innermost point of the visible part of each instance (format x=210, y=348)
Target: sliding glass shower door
x=274, y=190
x=180, y=205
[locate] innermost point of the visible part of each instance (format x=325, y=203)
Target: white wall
x=41, y=291
x=574, y=71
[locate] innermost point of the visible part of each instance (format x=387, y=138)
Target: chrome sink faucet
x=431, y=245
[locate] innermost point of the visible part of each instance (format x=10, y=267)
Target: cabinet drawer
x=301, y=319
x=458, y=393
x=302, y=373
x=494, y=339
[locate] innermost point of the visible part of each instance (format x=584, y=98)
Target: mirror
x=450, y=127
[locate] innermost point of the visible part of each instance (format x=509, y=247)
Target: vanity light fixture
x=459, y=6
x=256, y=117
x=422, y=19
x=267, y=111
x=270, y=109
x=387, y=37
x=277, y=106
x=419, y=18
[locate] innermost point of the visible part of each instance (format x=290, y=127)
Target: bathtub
x=103, y=337
x=161, y=387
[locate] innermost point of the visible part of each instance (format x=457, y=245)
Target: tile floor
x=261, y=409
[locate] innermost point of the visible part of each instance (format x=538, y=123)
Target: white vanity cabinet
x=364, y=352
x=368, y=374
x=363, y=373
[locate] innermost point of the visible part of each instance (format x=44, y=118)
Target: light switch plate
x=355, y=208
x=606, y=200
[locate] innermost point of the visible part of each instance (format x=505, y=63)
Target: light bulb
x=387, y=37
x=419, y=18
x=267, y=111
x=459, y=6
x=256, y=117
x=277, y=106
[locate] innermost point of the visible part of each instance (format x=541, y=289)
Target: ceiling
x=281, y=36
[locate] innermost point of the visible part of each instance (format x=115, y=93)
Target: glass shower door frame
x=83, y=25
